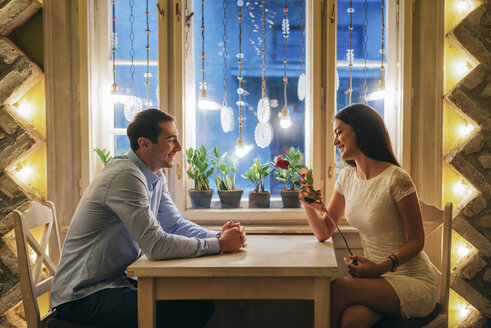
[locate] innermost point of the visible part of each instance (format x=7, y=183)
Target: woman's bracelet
x=395, y=262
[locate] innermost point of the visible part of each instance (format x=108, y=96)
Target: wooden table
x=271, y=267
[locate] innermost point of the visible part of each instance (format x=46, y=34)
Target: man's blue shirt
x=127, y=209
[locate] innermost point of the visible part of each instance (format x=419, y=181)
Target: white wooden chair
x=45, y=253
x=438, y=233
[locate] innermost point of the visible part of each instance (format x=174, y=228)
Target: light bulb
x=24, y=108
x=459, y=188
x=285, y=120
x=461, y=5
x=24, y=173
x=240, y=149
x=380, y=93
x=461, y=68
x=463, y=310
x=462, y=249
x=465, y=129
x=206, y=104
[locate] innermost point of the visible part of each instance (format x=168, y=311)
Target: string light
x=114, y=87
x=240, y=148
x=381, y=92
x=24, y=173
x=148, y=74
x=25, y=109
x=350, y=54
x=302, y=80
x=464, y=130
x=285, y=120
x=226, y=113
x=132, y=104
x=264, y=131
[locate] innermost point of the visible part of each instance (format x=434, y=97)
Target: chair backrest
x=36, y=253
x=438, y=232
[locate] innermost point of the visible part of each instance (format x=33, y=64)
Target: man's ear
x=143, y=142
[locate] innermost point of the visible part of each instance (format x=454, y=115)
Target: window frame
x=322, y=14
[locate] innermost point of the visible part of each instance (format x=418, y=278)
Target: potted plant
x=226, y=165
x=199, y=161
x=290, y=178
x=258, y=174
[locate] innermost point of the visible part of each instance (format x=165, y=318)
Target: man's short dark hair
x=146, y=124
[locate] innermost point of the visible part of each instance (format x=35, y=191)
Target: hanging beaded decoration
x=226, y=113
x=302, y=80
x=264, y=131
x=148, y=74
x=240, y=148
x=114, y=87
x=133, y=105
x=350, y=54
x=381, y=83
x=364, y=89
x=285, y=120
x=203, y=84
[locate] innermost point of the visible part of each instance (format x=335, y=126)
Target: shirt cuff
x=211, y=234
x=213, y=245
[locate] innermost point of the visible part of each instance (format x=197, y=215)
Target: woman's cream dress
x=371, y=207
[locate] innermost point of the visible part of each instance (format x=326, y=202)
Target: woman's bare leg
x=359, y=316
x=374, y=293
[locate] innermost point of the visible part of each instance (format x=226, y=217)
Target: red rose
x=282, y=163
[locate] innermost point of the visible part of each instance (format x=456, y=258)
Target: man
x=125, y=211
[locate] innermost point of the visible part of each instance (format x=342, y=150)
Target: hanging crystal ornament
x=285, y=120
x=364, y=88
x=114, y=87
x=147, y=48
x=380, y=93
x=203, y=96
x=226, y=113
x=263, y=133
x=350, y=54
x=302, y=81
x=133, y=104
x=240, y=149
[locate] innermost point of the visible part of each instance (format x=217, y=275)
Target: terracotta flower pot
x=200, y=199
x=290, y=198
x=259, y=199
x=230, y=198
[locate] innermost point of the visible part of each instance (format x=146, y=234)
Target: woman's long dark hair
x=371, y=134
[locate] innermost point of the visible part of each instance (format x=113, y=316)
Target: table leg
x=322, y=308
x=146, y=303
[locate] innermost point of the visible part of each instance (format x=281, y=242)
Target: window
x=310, y=50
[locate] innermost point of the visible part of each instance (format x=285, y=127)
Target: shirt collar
x=149, y=175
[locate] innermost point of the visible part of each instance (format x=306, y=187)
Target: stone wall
x=18, y=73
x=471, y=158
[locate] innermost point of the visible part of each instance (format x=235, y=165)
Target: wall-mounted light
x=462, y=249
x=461, y=67
x=464, y=130
x=25, y=109
x=23, y=173
x=461, y=6
x=459, y=188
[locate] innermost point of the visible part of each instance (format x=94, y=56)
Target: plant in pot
x=257, y=174
x=290, y=178
x=226, y=165
x=199, y=161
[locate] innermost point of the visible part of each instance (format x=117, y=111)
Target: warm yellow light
x=461, y=6
x=462, y=249
x=25, y=109
x=465, y=129
x=24, y=173
x=285, y=120
x=459, y=188
x=242, y=149
x=461, y=68
x=464, y=310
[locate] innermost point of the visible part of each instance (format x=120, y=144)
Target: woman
x=379, y=199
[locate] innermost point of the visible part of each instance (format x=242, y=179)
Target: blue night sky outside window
x=208, y=127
